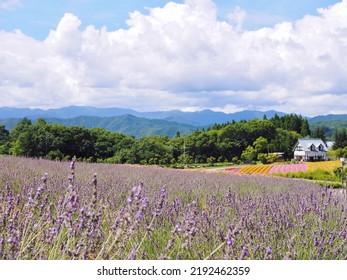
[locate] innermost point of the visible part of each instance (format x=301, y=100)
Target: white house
x=310, y=149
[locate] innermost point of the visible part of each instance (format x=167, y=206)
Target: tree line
x=252, y=140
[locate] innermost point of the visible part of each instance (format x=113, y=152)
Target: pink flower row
x=285, y=168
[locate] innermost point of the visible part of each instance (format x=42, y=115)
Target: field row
x=256, y=169
x=286, y=168
x=51, y=210
x=325, y=165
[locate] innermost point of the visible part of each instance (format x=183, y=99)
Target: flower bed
x=324, y=165
x=255, y=169
x=286, y=168
x=131, y=212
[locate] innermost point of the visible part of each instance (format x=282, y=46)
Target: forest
x=243, y=141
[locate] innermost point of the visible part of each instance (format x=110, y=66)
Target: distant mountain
x=63, y=113
x=330, y=117
x=9, y=123
x=200, y=118
x=329, y=123
x=140, y=124
x=329, y=127
x=208, y=117
x=126, y=124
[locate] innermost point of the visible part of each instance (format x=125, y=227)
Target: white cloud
x=10, y=4
x=181, y=56
x=238, y=17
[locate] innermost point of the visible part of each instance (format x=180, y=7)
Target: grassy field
x=62, y=210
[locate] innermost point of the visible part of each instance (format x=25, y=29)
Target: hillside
x=129, y=125
x=329, y=127
x=199, y=118
x=62, y=113
x=328, y=118
x=126, y=124
x=140, y=124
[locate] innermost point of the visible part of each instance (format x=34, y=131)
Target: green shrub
x=319, y=175
x=262, y=158
x=330, y=184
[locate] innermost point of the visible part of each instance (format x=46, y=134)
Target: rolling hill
x=127, y=124
x=140, y=124
x=199, y=118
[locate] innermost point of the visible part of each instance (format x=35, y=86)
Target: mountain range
x=199, y=118
x=141, y=124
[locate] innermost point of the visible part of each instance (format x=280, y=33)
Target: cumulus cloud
x=181, y=56
x=10, y=4
x=238, y=17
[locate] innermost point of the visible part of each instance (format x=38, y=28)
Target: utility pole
x=46, y=145
x=344, y=189
x=184, y=151
x=343, y=162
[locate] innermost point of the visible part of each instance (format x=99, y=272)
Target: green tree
x=341, y=152
x=260, y=145
x=4, y=135
x=211, y=161
x=305, y=128
x=153, y=150
x=340, y=138
x=249, y=154
x=292, y=122
x=4, y=140
x=30, y=139
x=232, y=140
x=104, y=145
x=284, y=142
x=177, y=145
x=20, y=127
x=263, y=158
x=16, y=148
x=318, y=132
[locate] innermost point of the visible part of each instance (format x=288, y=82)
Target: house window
x=312, y=148
x=320, y=147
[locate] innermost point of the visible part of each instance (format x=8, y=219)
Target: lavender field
x=61, y=210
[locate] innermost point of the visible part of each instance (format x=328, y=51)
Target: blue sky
x=191, y=55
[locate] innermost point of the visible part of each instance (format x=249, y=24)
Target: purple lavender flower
x=145, y=202
x=244, y=252
x=212, y=215
x=230, y=241
x=44, y=178
x=268, y=250
x=140, y=187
